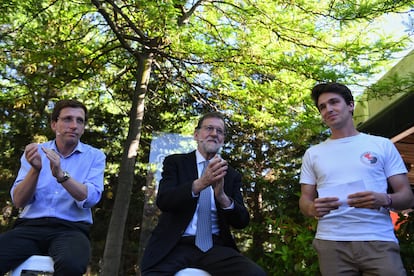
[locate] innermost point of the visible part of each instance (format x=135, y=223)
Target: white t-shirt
x=343, y=166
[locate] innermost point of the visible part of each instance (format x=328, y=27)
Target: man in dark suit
x=186, y=179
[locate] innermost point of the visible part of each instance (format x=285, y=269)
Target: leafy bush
x=405, y=235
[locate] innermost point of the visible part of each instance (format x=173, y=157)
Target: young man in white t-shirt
x=344, y=185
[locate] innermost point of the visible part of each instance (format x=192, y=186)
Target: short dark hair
x=331, y=87
x=67, y=103
x=211, y=115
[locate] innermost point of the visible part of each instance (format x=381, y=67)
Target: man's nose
x=329, y=108
x=73, y=123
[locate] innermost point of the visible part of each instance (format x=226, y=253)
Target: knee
x=70, y=266
x=256, y=271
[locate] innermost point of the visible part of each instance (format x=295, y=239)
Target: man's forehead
x=328, y=96
x=209, y=121
x=72, y=110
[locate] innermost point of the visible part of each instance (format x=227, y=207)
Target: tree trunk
x=149, y=216
x=115, y=234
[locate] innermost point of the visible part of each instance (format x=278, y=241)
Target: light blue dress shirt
x=85, y=164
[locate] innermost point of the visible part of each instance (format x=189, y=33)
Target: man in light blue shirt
x=57, y=185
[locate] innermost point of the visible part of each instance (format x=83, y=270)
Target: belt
x=191, y=240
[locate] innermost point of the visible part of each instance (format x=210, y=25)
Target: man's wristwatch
x=65, y=177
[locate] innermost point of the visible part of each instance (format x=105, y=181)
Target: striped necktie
x=204, y=239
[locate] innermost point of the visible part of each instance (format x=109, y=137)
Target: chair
x=192, y=272
x=35, y=265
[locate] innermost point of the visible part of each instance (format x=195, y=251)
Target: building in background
x=392, y=116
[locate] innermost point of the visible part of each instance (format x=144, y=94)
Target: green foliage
x=292, y=252
x=253, y=60
x=406, y=239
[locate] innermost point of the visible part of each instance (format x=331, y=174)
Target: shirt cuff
x=231, y=207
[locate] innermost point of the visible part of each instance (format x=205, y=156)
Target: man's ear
x=195, y=134
x=53, y=125
x=352, y=106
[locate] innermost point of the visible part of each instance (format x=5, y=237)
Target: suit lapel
x=191, y=164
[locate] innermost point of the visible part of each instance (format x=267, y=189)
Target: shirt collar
x=80, y=147
x=199, y=157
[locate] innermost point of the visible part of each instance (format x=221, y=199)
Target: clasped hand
x=366, y=199
x=213, y=175
x=215, y=171
x=33, y=157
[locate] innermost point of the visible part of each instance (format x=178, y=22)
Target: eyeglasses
x=210, y=129
x=69, y=119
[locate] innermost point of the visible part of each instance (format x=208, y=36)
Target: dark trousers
x=66, y=242
x=218, y=261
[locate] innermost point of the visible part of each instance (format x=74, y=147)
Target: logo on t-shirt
x=369, y=158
